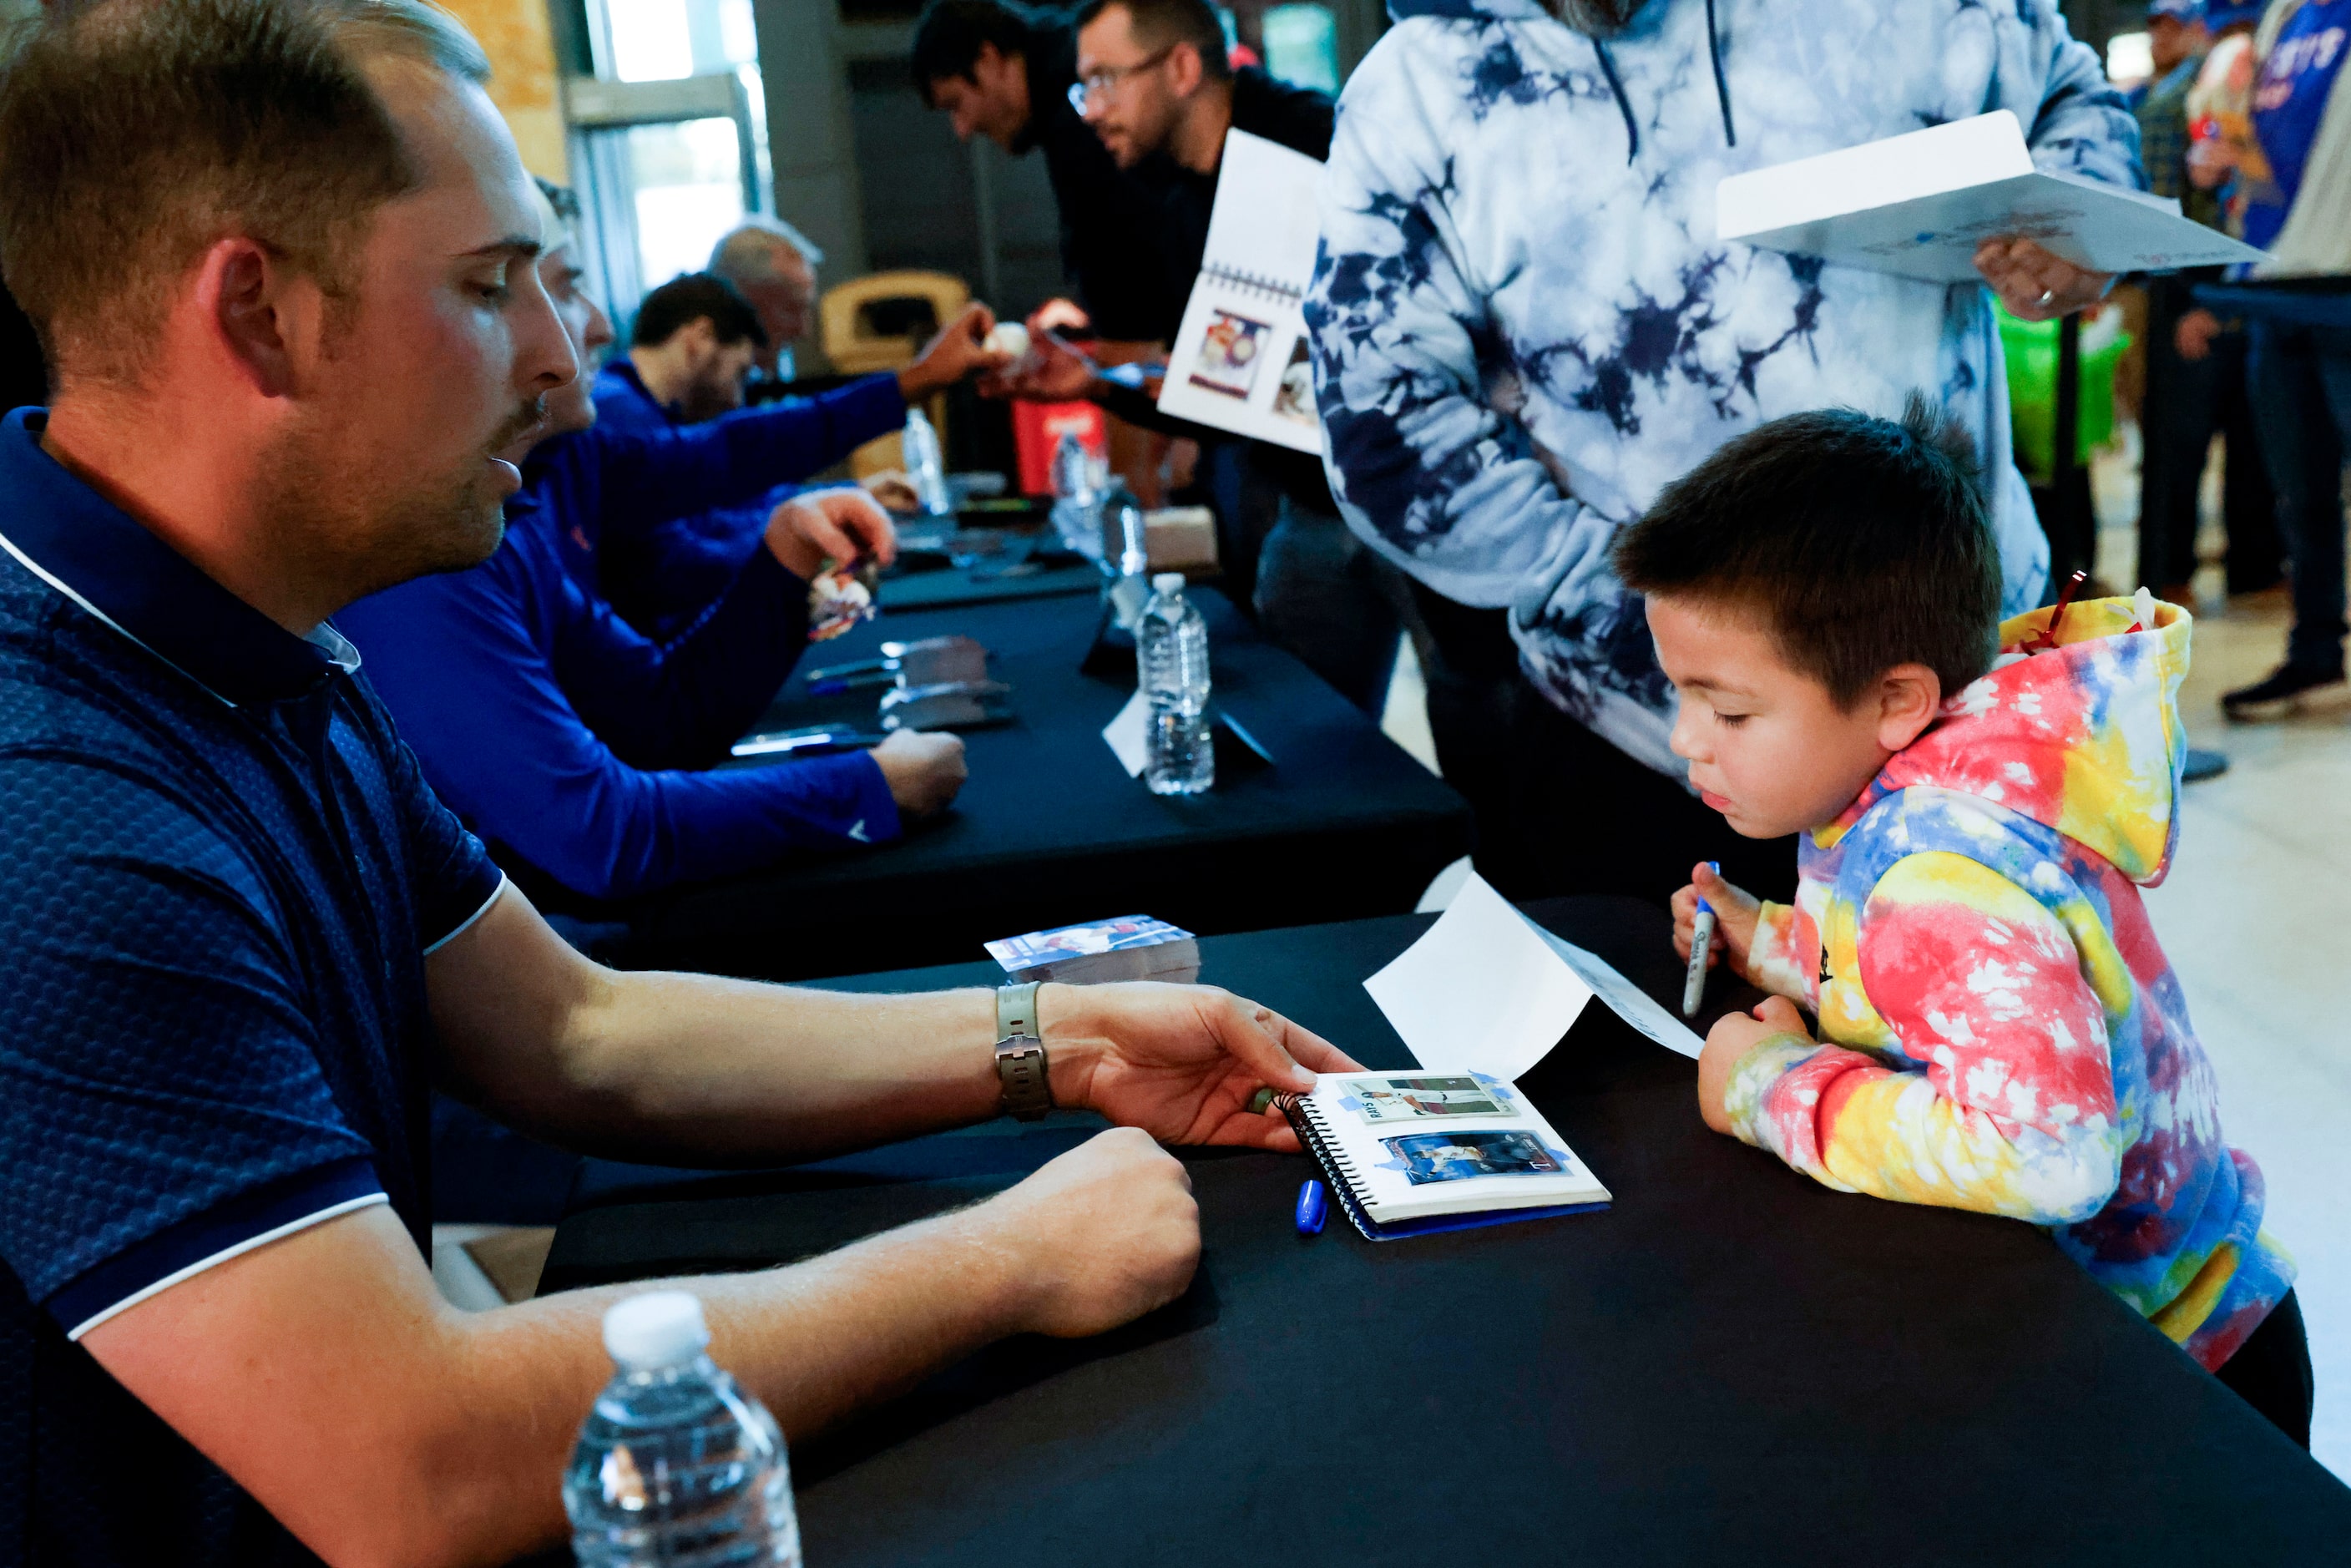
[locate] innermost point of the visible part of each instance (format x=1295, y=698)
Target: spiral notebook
x=1240, y=360
x=1409, y=1154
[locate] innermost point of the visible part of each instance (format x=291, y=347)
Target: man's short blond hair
x=134, y=134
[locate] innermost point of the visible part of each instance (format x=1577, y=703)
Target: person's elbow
x=2069, y=1178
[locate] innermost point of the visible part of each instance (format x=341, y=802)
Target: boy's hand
x=1732, y=1037
x=1735, y=912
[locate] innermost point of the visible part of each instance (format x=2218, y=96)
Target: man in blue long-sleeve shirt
x=560, y=732
x=692, y=341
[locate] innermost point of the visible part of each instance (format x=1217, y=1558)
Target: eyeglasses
x=1104, y=81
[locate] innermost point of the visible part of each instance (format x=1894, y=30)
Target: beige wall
x=521, y=48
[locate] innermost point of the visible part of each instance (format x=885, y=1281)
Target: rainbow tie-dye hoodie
x=2000, y=1030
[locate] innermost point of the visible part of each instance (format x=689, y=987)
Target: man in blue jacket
x=693, y=340
x=1524, y=327
x=582, y=747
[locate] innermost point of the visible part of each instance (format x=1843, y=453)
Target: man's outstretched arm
x=324, y=1374
x=690, y=1069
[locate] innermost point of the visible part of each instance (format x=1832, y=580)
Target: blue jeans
x=2300, y=380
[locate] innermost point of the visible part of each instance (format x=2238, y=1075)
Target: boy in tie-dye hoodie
x=1998, y=1030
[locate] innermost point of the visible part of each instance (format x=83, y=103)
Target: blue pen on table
x=1701, y=942
x=1312, y=1209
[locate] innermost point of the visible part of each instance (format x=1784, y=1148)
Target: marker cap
x=1704, y=908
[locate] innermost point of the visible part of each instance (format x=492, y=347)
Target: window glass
x=686, y=178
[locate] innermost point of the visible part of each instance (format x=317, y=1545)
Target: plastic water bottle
x=1172, y=657
x=924, y=466
x=676, y=1465
x=1077, y=498
x=1073, y=470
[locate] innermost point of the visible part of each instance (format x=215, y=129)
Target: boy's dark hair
x=694, y=297
x=948, y=34
x=1163, y=24
x=1867, y=542
x=133, y=135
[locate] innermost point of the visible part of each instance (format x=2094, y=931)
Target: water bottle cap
x=658, y=1330
x=1166, y=581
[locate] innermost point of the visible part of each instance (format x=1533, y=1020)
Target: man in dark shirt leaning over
x=1161, y=96
x=1004, y=71
x=280, y=255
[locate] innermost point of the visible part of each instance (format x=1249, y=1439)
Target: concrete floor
x=2253, y=916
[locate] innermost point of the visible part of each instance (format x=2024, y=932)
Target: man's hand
x=1182, y=1062
x=1732, y=1037
x=2034, y=285
x=2193, y=337
x=1735, y=913
x=960, y=349
x=1052, y=372
x=1102, y=1234
x=820, y=526
x=923, y=771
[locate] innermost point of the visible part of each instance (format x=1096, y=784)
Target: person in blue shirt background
x=694, y=340
x=2299, y=376
x=577, y=746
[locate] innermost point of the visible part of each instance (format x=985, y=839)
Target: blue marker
x=1701, y=941
x=1312, y=1209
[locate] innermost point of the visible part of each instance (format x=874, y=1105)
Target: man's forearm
x=695, y=1070
x=383, y=1426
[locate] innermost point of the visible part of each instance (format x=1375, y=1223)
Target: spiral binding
x=1345, y=1183
x=1255, y=282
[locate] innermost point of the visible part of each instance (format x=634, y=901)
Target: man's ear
x=264, y=316
x=1184, y=71
x=1908, y=698
x=696, y=342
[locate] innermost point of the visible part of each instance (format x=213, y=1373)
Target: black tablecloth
x=1733, y=1364
x=1050, y=828
x=965, y=585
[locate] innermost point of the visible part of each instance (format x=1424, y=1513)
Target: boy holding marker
x=1998, y=1030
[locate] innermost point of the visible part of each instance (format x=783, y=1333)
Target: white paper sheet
x=1625, y=999
x=1129, y=735
x=1917, y=204
x=1481, y=991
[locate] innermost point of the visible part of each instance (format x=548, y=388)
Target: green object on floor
x=2030, y=351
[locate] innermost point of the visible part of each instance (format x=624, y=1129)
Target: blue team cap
x=2218, y=16
x=2177, y=10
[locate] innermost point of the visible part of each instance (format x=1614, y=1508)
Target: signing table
x=1733, y=1364
x=1050, y=830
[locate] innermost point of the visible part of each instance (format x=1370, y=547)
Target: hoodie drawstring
x=1625, y=104
x=1721, y=82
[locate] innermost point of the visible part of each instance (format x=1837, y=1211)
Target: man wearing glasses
x=1154, y=84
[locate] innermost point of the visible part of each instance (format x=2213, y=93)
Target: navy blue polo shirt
x=223, y=874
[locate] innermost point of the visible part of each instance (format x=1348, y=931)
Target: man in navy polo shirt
x=280, y=255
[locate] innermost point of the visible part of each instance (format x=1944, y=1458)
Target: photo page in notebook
x=1409, y=1152
x=1240, y=359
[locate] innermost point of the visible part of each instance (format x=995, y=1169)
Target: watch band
x=1021, y=1053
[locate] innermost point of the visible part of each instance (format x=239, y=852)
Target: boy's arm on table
x=2014, y=1111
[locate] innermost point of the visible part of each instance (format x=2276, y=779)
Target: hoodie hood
x=2083, y=738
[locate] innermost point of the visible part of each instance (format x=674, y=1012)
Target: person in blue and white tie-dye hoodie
x=1524, y=327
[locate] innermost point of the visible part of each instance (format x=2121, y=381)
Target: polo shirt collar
x=96, y=554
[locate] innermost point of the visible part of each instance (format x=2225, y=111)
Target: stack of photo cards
x=1409, y=1154
x=1240, y=357
x=1130, y=947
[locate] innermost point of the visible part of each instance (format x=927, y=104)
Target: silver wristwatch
x=1020, y=1053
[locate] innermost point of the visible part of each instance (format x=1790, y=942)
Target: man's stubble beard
x=347, y=527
